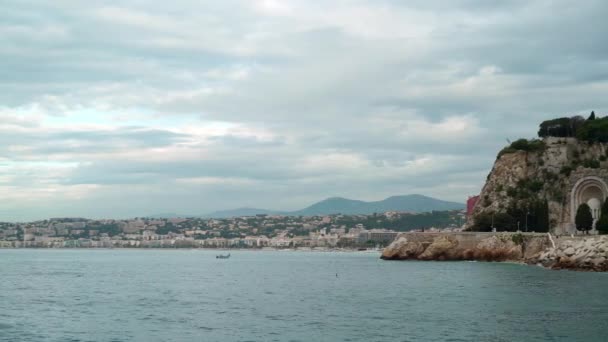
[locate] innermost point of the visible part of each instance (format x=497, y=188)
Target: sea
x=189, y=295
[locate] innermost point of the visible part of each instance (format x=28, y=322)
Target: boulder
x=402, y=249
x=498, y=248
x=442, y=248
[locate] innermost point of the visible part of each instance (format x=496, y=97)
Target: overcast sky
x=129, y=108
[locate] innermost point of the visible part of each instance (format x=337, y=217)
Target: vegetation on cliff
x=531, y=179
x=523, y=145
x=591, y=130
x=527, y=215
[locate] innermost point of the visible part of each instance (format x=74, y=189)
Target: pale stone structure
x=588, y=189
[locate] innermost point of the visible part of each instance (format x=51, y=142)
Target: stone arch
x=591, y=190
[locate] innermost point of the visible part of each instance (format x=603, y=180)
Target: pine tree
x=583, y=219
x=604, y=209
x=592, y=116
x=602, y=224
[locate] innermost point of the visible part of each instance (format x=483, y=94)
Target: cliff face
x=550, y=173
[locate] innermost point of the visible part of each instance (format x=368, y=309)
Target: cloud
x=193, y=106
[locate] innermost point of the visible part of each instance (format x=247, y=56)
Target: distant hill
x=411, y=203
x=339, y=205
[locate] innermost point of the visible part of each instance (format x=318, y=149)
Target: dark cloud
x=243, y=103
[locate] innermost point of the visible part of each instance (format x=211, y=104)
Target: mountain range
x=338, y=205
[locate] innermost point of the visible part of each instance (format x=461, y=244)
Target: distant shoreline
x=345, y=250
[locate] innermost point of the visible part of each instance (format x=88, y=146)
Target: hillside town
x=260, y=231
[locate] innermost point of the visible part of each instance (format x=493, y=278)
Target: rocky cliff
x=545, y=170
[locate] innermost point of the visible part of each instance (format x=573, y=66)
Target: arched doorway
x=591, y=190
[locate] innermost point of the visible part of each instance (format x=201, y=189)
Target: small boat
x=223, y=256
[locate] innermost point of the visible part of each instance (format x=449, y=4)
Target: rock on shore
x=490, y=247
x=589, y=253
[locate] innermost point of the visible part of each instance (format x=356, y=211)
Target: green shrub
x=594, y=131
x=530, y=185
x=583, y=219
x=535, y=185
x=592, y=164
x=566, y=170
x=523, y=145
x=556, y=193
x=506, y=150
x=518, y=239
x=549, y=176
x=482, y=223
x=602, y=224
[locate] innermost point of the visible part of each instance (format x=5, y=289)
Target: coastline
x=580, y=253
x=268, y=249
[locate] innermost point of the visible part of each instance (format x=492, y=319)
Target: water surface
x=188, y=295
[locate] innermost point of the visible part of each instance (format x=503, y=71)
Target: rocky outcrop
x=547, y=174
x=442, y=248
x=498, y=248
x=590, y=253
x=403, y=249
x=461, y=246
x=576, y=253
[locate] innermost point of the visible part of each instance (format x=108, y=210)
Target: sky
x=131, y=108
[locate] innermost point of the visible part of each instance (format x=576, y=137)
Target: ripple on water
x=266, y=296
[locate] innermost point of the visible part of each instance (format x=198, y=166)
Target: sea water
x=189, y=295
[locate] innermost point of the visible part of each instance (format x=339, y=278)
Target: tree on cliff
x=541, y=215
x=602, y=224
x=503, y=222
x=594, y=131
x=583, y=219
x=561, y=127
